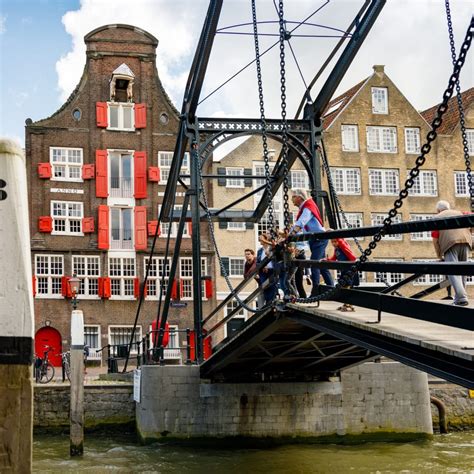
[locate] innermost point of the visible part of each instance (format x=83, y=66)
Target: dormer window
x=121, y=84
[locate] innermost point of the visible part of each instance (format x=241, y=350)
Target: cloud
x=409, y=37
x=3, y=24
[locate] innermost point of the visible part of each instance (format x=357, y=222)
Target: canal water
x=453, y=453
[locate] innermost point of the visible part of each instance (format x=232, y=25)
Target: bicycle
x=66, y=365
x=44, y=371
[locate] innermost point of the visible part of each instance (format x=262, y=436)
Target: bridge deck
x=306, y=340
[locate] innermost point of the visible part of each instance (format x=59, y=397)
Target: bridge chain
x=346, y=279
x=462, y=122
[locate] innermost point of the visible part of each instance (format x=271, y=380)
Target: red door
x=48, y=336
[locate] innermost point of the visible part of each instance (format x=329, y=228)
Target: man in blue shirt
x=308, y=220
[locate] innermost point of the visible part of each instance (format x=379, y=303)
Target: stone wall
x=373, y=398
x=459, y=407
x=105, y=405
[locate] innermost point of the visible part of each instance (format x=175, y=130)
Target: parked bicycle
x=44, y=370
x=66, y=365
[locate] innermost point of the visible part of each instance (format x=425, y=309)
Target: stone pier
x=374, y=398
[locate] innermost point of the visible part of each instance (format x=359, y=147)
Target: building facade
x=97, y=170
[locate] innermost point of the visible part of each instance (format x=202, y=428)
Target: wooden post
x=16, y=314
x=76, y=447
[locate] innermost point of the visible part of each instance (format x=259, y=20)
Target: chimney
x=379, y=68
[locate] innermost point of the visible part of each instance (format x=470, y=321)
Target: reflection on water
x=121, y=453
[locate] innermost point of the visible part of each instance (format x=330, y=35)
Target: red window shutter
x=45, y=224
x=88, y=171
x=136, y=287
x=101, y=114
x=34, y=285
x=208, y=288
x=153, y=174
x=104, y=288
x=87, y=225
x=152, y=226
x=190, y=228
x=175, y=290
x=140, y=115
x=101, y=174
x=103, y=227
x=65, y=288
x=139, y=162
x=44, y=170
x=140, y=228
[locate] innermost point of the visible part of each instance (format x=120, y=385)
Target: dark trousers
x=299, y=276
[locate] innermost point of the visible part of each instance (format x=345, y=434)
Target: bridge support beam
x=385, y=400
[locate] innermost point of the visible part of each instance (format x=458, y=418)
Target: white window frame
x=470, y=141
x=240, y=273
x=174, y=226
x=67, y=162
x=299, y=179
x=422, y=183
x=242, y=314
x=126, y=188
x=186, y=278
x=68, y=220
x=122, y=243
x=236, y=226
x=379, y=100
x=384, y=173
x=350, y=138
x=390, y=278
x=137, y=335
x=123, y=277
x=412, y=140
x=93, y=348
x=89, y=277
x=428, y=280
x=377, y=218
x=470, y=278
x=381, y=139
x=237, y=182
x=460, y=182
x=165, y=159
x=421, y=236
x=155, y=276
x=353, y=218
x=48, y=278
x=341, y=179
x=121, y=106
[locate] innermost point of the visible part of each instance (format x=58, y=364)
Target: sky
x=42, y=51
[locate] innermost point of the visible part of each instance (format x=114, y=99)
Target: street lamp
x=74, y=284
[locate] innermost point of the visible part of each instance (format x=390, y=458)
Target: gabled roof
x=337, y=105
x=451, y=117
x=124, y=70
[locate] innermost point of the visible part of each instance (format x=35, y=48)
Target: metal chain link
x=462, y=122
x=346, y=279
x=266, y=159
x=284, y=149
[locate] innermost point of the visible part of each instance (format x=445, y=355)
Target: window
x=470, y=278
x=390, y=278
x=121, y=116
x=49, y=270
x=421, y=235
x=237, y=320
x=88, y=270
x=277, y=201
x=186, y=277
x=92, y=336
x=377, y=219
x=461, y=184
x=236, y=267
x=165, y=158
x=426, y=184
x=383, y=182
x=121, y=182
x=121, y=228
x=299, y=179
x=67, y=217
x=234, y=183
x=379, y=100
x=381, y=139
x=173, y=349
x=120, y=336
x=346, y=180
x=362, y=277
x=350, y=137
x=412, y=140
x=66, y=164
x=354, y=220
x=470, y=141
x=122, y=276
x=165, y=226
x=236, y=226
x=428, y=280
x=157, y=270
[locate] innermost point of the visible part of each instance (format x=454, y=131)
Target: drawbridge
x=292, y=338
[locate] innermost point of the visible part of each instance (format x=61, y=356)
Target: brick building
x=97, y=169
